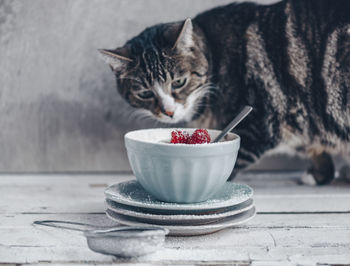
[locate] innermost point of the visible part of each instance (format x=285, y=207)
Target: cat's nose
x=169, y=113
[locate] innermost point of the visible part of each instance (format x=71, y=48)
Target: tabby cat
x=289, y=60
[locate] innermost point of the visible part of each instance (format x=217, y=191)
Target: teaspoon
x=245, y=111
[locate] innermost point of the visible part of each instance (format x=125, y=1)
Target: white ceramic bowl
x=182, y=173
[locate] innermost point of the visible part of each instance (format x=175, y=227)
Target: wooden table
x=294, y=225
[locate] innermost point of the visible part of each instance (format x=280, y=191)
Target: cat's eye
x=147, y=94
x=178, y=83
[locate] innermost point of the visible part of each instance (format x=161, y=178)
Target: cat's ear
x=115, y=58
x=185, y=38
x=180, y=35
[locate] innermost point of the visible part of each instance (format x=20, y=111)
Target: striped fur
x=289, y=60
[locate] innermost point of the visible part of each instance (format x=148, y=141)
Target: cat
x=290, y=61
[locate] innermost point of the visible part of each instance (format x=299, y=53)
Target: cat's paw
x=322, y=169
x=344, y=173
x=308, y=179
x=312, y=177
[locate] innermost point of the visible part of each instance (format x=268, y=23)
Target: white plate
x=187, y=230
x=142, y=215
x=131, y=193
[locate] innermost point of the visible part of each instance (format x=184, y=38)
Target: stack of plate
x=129, y=204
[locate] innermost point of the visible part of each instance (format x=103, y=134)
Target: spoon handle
x=68, y=225
x=245, y=111
x=75, y=226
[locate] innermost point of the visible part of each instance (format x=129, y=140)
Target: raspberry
x=199, y=136
x=178, y=136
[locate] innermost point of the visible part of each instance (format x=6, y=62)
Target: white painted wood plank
x=165, y=256
x=55, y=193
x=262, y=182
x=265, y=238
x=302, y=204
x=282, y=193
x=290, y=221
x=95, y=264
x=269, y=239
x=84, y=194
x=273, y=221
x=64, y=254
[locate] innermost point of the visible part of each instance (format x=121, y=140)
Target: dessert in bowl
x=182, y=173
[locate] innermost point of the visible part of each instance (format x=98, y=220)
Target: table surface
x=295, y=224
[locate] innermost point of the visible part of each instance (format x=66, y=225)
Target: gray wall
x=58, y=103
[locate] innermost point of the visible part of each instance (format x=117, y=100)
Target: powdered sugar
x=131, y=193
x=162, y=136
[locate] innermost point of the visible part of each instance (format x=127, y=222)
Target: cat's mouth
x=182, y=113
x=172, y=117
x=177, y=112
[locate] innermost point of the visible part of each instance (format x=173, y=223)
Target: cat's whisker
x=144, y=115
x=198, y=95
x=137, y=115
x=213, y=90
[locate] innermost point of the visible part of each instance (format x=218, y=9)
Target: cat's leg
x=233, y=174
x=245, y=158
x=344, y=172
x=254, y=144
x=321, y=171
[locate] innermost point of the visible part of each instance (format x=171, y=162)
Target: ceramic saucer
x=131, y=193
x=142, y=215
x=188, y=230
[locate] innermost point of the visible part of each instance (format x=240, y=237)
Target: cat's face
x=163, y=71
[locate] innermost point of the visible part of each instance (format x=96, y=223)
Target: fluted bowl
x=182, y=173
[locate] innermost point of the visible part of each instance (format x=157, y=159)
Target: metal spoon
x=245, y=111
x=125, y=241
